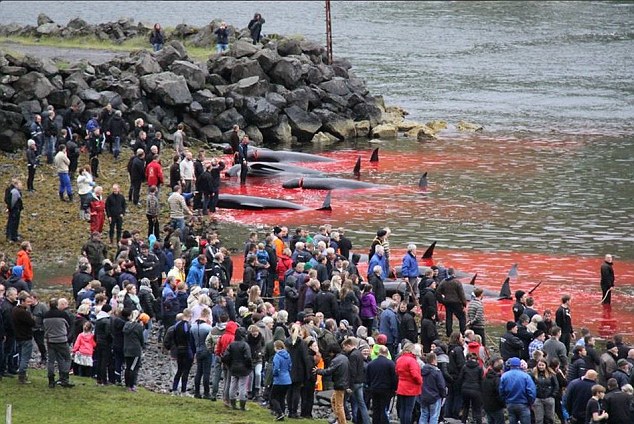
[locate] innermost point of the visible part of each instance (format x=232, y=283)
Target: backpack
x=324, y=342
x=170, y=305
x=168, y=340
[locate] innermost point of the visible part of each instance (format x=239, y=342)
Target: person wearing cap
x=578, y=393
x=510, y=344
x=621, y=374
x=538, y=342
x=518, y=391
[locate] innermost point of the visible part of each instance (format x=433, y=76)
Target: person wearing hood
x=24, y=260
x=282, y=367
x=518, y=391
x=269, y=353
x=237, y=358
x=470, y=382
x=492, y=403
x=434, y=390
x=16, y=279
x=381, y=340
x=256, y=344
x=298, y=351
x=225, y=340
x=132, y=349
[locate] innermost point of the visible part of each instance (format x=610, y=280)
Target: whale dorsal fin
x=505, y=291
x=357, y=167
x=375, y=155
x=326, y=205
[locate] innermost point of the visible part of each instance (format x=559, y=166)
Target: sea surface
x=547, y=184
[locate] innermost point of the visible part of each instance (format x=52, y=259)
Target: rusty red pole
x=328, y=33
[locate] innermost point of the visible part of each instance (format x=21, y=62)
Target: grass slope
x=36, y=403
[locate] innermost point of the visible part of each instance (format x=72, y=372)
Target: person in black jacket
x=117, y=128
x=32, y=163
x=547, y=387
x=243, y=155
x=407, y=325
x=491, y=402
x=455, y=352
x=470, y=382
x=381, y=383
x=524, y=335
x=115, y=211
x=50, y=136
x=510, y=345
x=298, y=350
x=339, y=370
x=427, y=293
x=326, y=302
x=157, y=38
x=238, y=360
x=136, y=169
x=222, y=41
x=255, y=27
x=185, y=351
x=103, y=339
x=357, y=381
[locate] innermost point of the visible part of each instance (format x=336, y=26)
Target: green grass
x=86, y=402
x=93, y=43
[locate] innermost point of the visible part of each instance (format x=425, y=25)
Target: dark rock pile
x=280, y=92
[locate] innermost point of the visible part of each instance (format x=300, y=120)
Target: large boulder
x=324, y=138
x=251, y=87
x=276, y=100
x=10, y=123
x=227, y=119
x=280, y=133
x=385, y=131
x=43, y=65
x=193, y=74
x=288, y=72
x=111, y=97
x=421, y=132
x=312, y=48
x=243, y=48
x=76, y=82
x=147, y=64
x=341, y=127
x=34, y=85
x=267, y=58
x=169, y=87
x=211, y=133
x=222, y=66
x=362, y=128
x=303, y=124
x=260, y=112
x=16, y=71
x=167, y=55
x=50, y=30
x=90, y=95
x=43, y=19
x=246, y=68
x=254, y=133
x=210, y=102
x=289, y=46
x=368, y=112
x=465, y=126
x=6, y=92
x=336, y=86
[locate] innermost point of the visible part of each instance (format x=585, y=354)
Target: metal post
x=328, y=33
x=9, y=415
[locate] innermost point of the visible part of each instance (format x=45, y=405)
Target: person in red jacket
x=223, y=343
x=410, y=381
x=97, y=211
x=154, y=173
x=24, y=260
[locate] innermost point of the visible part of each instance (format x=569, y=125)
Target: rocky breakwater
x=281, y=92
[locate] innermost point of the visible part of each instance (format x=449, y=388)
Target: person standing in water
x=607, y=280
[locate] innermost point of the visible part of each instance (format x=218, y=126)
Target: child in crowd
x=83, y=350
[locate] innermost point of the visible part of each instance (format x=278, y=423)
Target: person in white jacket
x=85, y=184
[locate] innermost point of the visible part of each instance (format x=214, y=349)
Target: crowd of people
x=304, y=318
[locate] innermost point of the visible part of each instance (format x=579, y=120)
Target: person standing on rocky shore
x=157, y=38
x=13, y=200
x=222, y=38
x=61, y=163
x=32, y=163
x=243, y=155
x=179, y=140
x=255, y=27
x=50, y=135
x=37, y=132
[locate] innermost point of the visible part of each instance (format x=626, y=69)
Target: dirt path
x=93, y=56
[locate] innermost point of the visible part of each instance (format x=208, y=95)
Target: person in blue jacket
x=281, y=379
x=388, y=325
x=196, y=274
x=518, y=391
x=409, y=269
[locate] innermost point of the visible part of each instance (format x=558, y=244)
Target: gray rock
x=336, y=86
x=312, y=48
x=179, y=47
x=193, y=74
x=13, y=70
x=246, y=68
x=280, y=133
x=6, y=92
x=167, y=55
x=210, y=103
x=251, y=87
x=222, y=66
x=76, y=82
x=368, y=112
x=288, y=47
x=77, y=24
x=195, y=107
x=344, y=63
x=111, y=97
x=228, y=118
x=30, y=107
x=44, y=65
x=362, y=128
x=267, y=58
x=340, y=71
x=260, y=112
x=276, y=100
x=169, y=87
x=341, y=127
x=147, y=64
x=34, y=85
x=324, y=138
x=50, y=30
x=303, y=124
x=254, y=134
x=211, y=133
x=242, y=48
x=357, y=85
x=11, y=140
x=288, y=72
x=90, y=95
x=298, y=97
x=43, y=19
x=215, y=79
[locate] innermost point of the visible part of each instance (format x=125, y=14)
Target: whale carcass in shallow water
x=236, y=201
x=269, y=169
x=326, y=183
x=267, y=155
